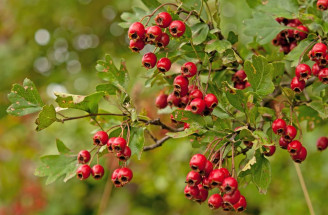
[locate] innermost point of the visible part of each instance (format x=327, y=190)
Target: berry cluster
x=116, y=145
x=287, y=39
x=203, y=178
x=288, y=132
x=322, y=4
x=239, y=81
x=322, y=143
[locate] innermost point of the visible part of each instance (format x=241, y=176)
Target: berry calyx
x=183, y=101
x=297, y=85
x=173, y=100
x=294, y=147
x=196, y=93
x=279, y=126
x=231, y=199
x=269, y=150
x=215, y=201
x=149, y=60
x=163, y=40
x=100, y=138
x=163, y=19
x=191, y=192
x=302, y=33
x=136, y=45
x=83, y=172
x=303, y=71
x=322, y=4
x=83, y=156
x=124, y=155
x=206, y=183
x=164, y=64
x=118, y=144
x=115, y=178
x=290, y=133
x=136, y=31
x=322, y=143
x=180, y=84
x=323, y=75
x=193, y=178
x=97, y=171
x=211, y=101
x=229, y=185
x=109, y=144
x=177, y=28
x=197, y=162
x=161, y=101
x=319, y=50
x=125, y=175
x=241, y=204
x=197, y=106
x=216, y=177
x=189, y=69
x=300, y=156
x=283, y=143
x=152, y=33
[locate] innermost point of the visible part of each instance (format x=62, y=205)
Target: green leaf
x=320, y=107
x=130, y=18
x=259, y=74
x=261, y=173
x=137, y=141
x=232, y=37
x=62, y=149
x=194, y=129
x=217, y=45
x=46, y=117
x=253, y=3
x=151, y=4
x=281, y=8
x=110, y=89
x=237, y=99
x=56, y=166
x=295, y=54
x=189, y=117
x=264, y=27
x=199, y=33
x=87, y=103
x=25, y=99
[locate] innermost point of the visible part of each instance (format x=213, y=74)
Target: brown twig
x=157, y=144
x=160, y=123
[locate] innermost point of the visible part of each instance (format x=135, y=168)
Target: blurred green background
x=56, y=44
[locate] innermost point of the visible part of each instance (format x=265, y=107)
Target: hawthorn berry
x=319, y=50
x=109, y=144
x=125, y=154
x=193, y=178
x=323, y=75
x=211, y=101
x=226, y=172
x=290, y=133
x=163, y=19
x=301, y=34
x=149, y=60
x=269, y=150
x=161, y=101
x=294, y=147
x=191, y=88
x=229, y=185
x=215, y=201
x=322, y=143
x=83, y=156
x=177, y=28
x=125, y=175
x=115, y=178
x=239, y=85
x=303, y=71
x=183, y=101
x=215, y=158
x=231, y=199
x=83, y=172
x=322, y=4
x=239, y=76
x=297, y=85
x=241, y=204
x=97, y=171
x=136, y=45
x=196, y=93
x=197, y=162
x=100, y=138
x=216, y=177
x=208, y=168
x=164, y=64
x=197, y=106
x=283, y=143
x=202, y=195
x=279, y=126
x=180, y=84
x=118, y=144
x=136, y=31
x=189, y=69
x=191, y=192
x=316, y=69
x=163, y=40
x=300, y=156
x=152, y=33
x=206, y=183
x=173, y=100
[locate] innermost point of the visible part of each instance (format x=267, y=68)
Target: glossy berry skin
x=316, y=69
x=180, y=84
x=226, y=172
x=115, y=178
x=124, y=155
x=322, y=4
x=206, y=183
x=269, y=150
x=239, y=76
x=189, y=69
x=283, y=143
x=164, y=64
x=279, y=126
x=300, y=156
x=202, y=195
x=191, y=192
x=241, y=204
x=97, y=171
x=211, y=101
x=208, y=168
x=294, y=147
x=319, y=50
x=323, y=75
x=118, y=144
x=163, y=40
x=173, y=100
x=152, y=33
x=191, y=88
x=125, y=175
x=100, y=138
x=177, y=28
x=231, y=199
x=109, y=144
x=183, y=101
x=83, y=172
x=83, y=157
x=163, y=19
x=216, y=177
x=149, y=60
x=301, y=34
x=215, y=201
x=303, y=71
x=229, y=185
x=193, y=178
x=195, y=94
x=161, y=101
x=197, y=162
x=322, y=143
x=197, y=106
x=290, y=133
x=136, y=45
x=297, y=85
x=136, y=31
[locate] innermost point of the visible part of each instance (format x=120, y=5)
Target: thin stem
x=209, y=145
x=209, y=76
x=159, y=122
x=157, y=144
x=92, y=114
x=304, y=188
x=209, y=12
x=186, y=19
x=211, y=152
x=159, y=7
x=94, y=155
x=192, y=45
x=233, y=160
x=305, y=50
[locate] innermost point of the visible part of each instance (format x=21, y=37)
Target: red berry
x=115, y=178
x=180, y=86
x=316, y=69
x=188, y=108
x=297, y=85
x=97, y=171
x=226, y=172
x=193, y=178
x=191, y=192
x=303, y=71
x=215, y=201
x=195, y=94
x=319, y=50
x=279, y=126
x=118, y=144
x=300, y=156
x=125, y=175
x=197, y=106
x=323, y=61
x=239, y=85
x=161, y=101
x=83, y=156
x=290, y=133
x=269, y=150
x=125, y=154
x=152, y=33
x=229, y=185
x=216, y=177
x=231, y=199
x=136, y=45
x=322, y=143
x=191, y=88
x=322, y=4
x=208, y=168
x=239, y=76
x=163, y=19
x=164, y=64
x=136, y=31
x=294, y=147
x=163, y=40
x=241, y=204
x=100, y=138
x=283, y=143
x=177, y=28
x=173, y=100
x=197, y=162
x=302, y=34
x=189, y=69
x=211, y=101
x=202, y=195
x=323, y=75
x=109, y=144
x=206, y=183
x=149, y=60
x=83, y=172
x=183, y=101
